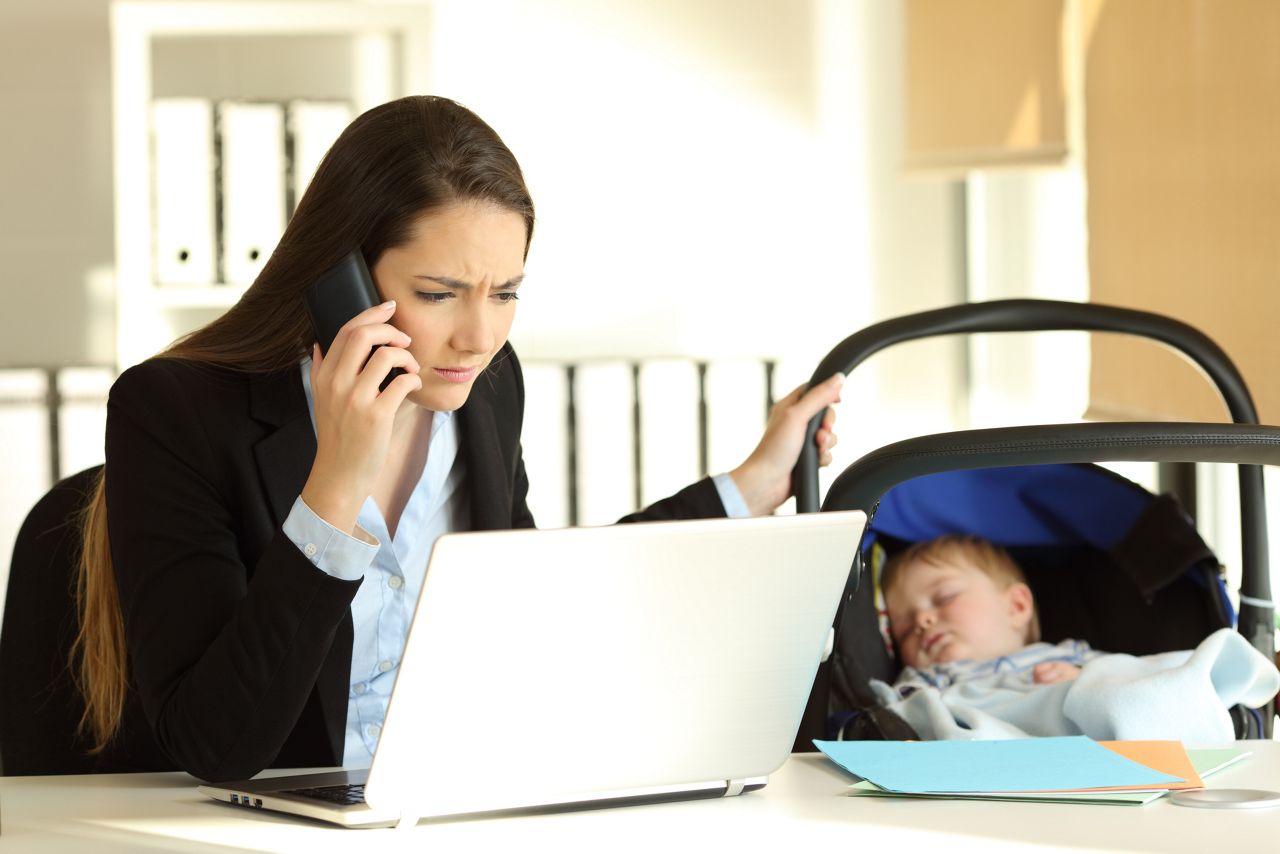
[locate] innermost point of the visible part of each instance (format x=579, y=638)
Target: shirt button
x=395, y=582
x=310, y=549
x=384, y=666
x=360, y=687
x=374, y=730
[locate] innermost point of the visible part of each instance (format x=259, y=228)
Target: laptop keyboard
x=346, y=795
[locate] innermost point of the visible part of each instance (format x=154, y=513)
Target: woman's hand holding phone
x=353, y=418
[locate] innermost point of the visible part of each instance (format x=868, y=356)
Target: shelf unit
x=364, y=54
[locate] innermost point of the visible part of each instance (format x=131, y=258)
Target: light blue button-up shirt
x=393, y=569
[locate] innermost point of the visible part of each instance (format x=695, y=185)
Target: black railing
x=572, y=374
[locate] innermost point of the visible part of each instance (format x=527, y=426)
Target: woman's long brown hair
x=390, y=166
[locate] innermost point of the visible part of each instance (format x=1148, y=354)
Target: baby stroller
x=1108, y=562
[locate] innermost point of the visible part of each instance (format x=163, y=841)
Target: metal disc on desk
x=1226, y=799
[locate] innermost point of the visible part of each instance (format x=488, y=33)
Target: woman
x=252, y=484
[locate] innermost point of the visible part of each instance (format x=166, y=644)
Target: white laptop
x=566, y=667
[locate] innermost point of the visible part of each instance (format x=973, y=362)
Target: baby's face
x=954, y=612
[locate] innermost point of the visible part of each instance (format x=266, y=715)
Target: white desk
x=803, y=809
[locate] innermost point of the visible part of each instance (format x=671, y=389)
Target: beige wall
x=1172, y=112
x=1183, y=146
x=56, y=238
x=986, y=82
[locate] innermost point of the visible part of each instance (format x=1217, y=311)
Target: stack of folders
x=1068, y=769
x=225, y=178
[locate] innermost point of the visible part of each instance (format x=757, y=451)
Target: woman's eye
x=433, y=296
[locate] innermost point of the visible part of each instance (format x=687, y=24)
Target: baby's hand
x=1048, y=672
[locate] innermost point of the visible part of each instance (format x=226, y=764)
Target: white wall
x=1027, y=239
x=915, y=247
x=718, y=178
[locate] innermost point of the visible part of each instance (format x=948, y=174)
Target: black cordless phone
x=342, y=292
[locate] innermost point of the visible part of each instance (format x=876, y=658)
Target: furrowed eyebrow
x=459, y=285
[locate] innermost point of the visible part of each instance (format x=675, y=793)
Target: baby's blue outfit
x=1018, y=665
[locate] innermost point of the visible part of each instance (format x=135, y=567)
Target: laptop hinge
x=734, y=787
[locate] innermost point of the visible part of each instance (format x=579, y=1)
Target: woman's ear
x=1021, y=604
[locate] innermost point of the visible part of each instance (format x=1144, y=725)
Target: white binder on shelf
x=253, y=186
x=313, y=125
x=182, y=191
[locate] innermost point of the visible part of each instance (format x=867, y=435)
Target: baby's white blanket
x=1181, y=695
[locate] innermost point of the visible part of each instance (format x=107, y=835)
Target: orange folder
x=1168, y=757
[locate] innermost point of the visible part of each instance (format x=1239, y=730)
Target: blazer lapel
x=284, y=457
x=487, y=475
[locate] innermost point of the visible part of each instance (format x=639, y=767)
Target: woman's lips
x=456, y=375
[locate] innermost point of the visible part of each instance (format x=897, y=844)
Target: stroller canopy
x=1018, y=506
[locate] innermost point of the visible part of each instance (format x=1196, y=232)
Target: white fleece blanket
x=1181, y=695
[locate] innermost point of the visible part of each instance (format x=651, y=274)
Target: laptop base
x=297, y=795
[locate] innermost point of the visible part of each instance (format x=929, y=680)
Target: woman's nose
x=474, y=332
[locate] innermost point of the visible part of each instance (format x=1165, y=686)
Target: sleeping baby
x=964, y=623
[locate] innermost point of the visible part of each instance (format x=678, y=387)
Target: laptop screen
x=553, y=665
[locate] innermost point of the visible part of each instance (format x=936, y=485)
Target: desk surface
x=802, y=809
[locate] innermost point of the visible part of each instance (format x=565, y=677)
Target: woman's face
x=454, y=283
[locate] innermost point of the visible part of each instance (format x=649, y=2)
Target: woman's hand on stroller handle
x=764, y=479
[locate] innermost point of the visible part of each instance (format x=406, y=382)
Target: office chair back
x=40, y=707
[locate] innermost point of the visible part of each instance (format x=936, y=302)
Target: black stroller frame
x=863, y=483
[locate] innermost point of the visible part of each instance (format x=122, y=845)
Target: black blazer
x=240, y=648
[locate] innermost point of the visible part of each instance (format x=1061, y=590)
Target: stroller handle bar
x=863, y=483
x=1019, y=315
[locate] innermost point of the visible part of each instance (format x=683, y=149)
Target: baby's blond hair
x=982, y=554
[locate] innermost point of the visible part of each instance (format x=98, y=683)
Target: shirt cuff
x=334, y=552
x=735, y=506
